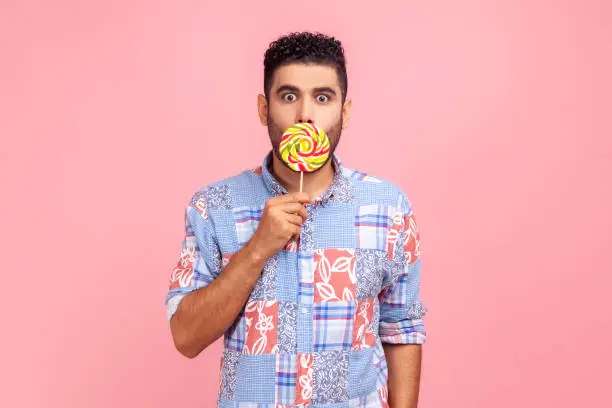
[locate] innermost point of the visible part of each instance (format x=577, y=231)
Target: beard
x=275, y=133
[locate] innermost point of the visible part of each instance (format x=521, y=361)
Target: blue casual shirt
x=312, y=330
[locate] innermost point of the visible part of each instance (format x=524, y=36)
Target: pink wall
x=113, y=113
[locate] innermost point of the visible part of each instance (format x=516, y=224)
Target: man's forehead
x=306, y=76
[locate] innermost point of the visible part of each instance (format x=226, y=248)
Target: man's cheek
x=284, y=117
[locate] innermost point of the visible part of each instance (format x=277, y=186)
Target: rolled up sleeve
x=199, y=260
x=401, y=308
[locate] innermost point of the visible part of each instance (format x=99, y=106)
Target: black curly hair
x=305, y=47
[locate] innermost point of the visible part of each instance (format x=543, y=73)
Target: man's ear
x=346, y=112
x=262, y=109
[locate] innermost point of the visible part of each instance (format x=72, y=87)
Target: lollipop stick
x=301, y=180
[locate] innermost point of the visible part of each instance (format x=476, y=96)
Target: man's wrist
x=254, y=256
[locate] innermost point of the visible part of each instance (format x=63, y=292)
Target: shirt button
x=304, y=310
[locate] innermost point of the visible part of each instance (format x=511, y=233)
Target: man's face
x=304, y=93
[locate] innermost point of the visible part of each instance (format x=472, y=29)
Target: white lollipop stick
x=301, y=180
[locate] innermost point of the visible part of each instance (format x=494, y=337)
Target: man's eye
x=289, y=97
x=322, y=98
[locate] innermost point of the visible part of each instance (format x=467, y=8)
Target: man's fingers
x=295, y=208
x=295, y=219
x=296, y=231
x=299, y=197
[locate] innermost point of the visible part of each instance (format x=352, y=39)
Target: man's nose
x=305, y=114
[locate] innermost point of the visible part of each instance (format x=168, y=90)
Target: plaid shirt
x=312, y=330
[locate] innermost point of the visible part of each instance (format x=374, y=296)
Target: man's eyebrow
x=325, y=89
x=288, y=88
x=291, y=88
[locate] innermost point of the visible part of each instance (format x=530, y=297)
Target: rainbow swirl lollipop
x=304, y=147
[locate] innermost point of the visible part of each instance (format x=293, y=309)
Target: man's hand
x=281, y=220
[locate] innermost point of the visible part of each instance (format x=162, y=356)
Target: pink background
x=496, y=121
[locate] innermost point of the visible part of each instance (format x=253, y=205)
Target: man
x=316, y=293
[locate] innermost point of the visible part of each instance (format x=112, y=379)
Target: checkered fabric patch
x=372, y=222
x=286, y=375
x=358, y=175
x=247, y=219
x=333, y=325
x=306, y=283
x=235, y=336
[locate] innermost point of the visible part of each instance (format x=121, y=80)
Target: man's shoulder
x=378, y=188
x=222, y=193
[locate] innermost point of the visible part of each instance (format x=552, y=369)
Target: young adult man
x=316, y=294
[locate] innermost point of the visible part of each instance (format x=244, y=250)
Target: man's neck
x=315, y=183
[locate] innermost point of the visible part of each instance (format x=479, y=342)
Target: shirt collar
x=274, y=186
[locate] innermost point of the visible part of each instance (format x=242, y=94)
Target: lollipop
x=305, y=148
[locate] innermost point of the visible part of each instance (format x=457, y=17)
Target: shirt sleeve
x=401, y=308
x=199, y=260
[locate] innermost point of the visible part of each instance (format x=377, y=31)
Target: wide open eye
x=290, y=97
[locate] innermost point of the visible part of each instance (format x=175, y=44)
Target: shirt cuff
x=408, y=331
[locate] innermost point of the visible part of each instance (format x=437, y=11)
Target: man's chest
x=343, y=252
x=320, y=292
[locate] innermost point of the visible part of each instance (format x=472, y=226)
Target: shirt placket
x=306, y=268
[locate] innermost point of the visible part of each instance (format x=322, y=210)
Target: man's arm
x=404, y=365
x=205, y=314
x=204, y=305
x=402, y=331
